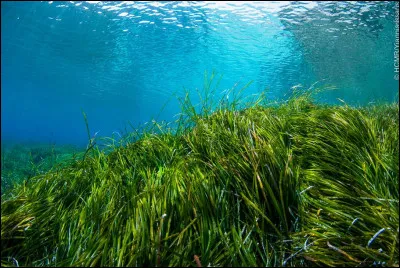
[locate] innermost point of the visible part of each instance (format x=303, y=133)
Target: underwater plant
x=20, y=162
x=297, y=183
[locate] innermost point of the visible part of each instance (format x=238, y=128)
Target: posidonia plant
x=290, y=184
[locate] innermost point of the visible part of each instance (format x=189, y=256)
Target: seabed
x=294, y=184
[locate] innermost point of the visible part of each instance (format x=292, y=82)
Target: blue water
x=121, y=62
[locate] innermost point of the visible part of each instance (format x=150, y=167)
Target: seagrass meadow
x=22, y=161
x=295, y=184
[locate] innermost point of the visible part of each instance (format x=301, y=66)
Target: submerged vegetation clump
x=295, y=184
x=20, y=162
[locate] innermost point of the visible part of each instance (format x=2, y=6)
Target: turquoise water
x=121, y=62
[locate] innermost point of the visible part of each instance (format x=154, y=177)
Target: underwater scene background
x=199, y=134
x=122, y=62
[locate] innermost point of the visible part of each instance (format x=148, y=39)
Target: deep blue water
x=122, y=61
